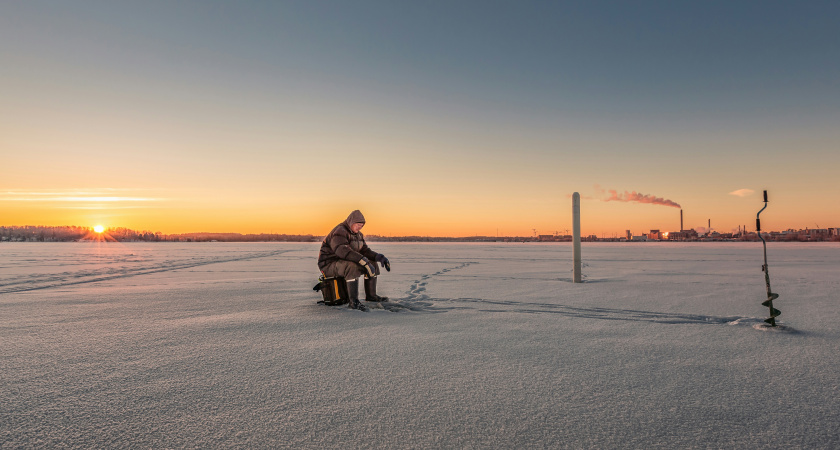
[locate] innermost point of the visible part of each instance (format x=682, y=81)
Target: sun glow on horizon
x=99, y=229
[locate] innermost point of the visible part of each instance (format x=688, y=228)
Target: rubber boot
x=370, y=291
x=353, y=293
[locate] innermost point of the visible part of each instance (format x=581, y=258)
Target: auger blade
x=769, y=301
x=771, y=321
x=775, y=312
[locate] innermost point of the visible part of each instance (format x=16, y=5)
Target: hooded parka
x=342, y=244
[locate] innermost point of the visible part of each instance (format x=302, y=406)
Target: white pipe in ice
x=576, y=234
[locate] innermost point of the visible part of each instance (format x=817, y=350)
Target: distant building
x=684, y=235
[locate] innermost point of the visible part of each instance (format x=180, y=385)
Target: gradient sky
x=433, y=118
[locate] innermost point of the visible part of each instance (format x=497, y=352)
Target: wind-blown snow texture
x=484, y=346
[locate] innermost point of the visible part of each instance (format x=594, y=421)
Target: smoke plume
x=640, y=198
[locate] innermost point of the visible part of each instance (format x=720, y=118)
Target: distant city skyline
x=433, y=118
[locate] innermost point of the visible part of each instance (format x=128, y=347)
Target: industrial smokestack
x=681, y=221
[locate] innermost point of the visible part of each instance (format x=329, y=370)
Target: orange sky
x=161, y=211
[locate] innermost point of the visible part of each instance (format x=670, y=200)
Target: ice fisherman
x=344, y=253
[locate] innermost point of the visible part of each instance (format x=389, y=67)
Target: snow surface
x=484, y=346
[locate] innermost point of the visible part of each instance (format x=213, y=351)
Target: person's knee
x=356, y=271
x=352, y=270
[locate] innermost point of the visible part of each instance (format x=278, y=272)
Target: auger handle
x=757, y=220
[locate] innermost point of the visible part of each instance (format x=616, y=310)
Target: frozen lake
x=484, y=346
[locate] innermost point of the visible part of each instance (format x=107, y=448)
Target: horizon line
x=476, y=236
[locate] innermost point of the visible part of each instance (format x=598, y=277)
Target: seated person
x=344, y=253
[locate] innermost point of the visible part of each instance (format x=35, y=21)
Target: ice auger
x=770, y=295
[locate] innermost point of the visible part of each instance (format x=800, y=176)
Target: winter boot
x=370, y=291
x=353, y=293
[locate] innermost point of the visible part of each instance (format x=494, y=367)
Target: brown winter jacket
x=342, y=243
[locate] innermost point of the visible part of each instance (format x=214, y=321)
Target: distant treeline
x=237, y=237
x=44, y=234
x=74, y=233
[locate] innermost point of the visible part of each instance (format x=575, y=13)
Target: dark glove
x=382, y=260
x=368, y=266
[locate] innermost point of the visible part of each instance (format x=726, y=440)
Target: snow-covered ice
x=484, y=346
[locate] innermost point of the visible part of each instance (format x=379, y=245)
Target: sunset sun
x=99, y=228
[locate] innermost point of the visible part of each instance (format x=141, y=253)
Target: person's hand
x=381, y=259
x=368, y=266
